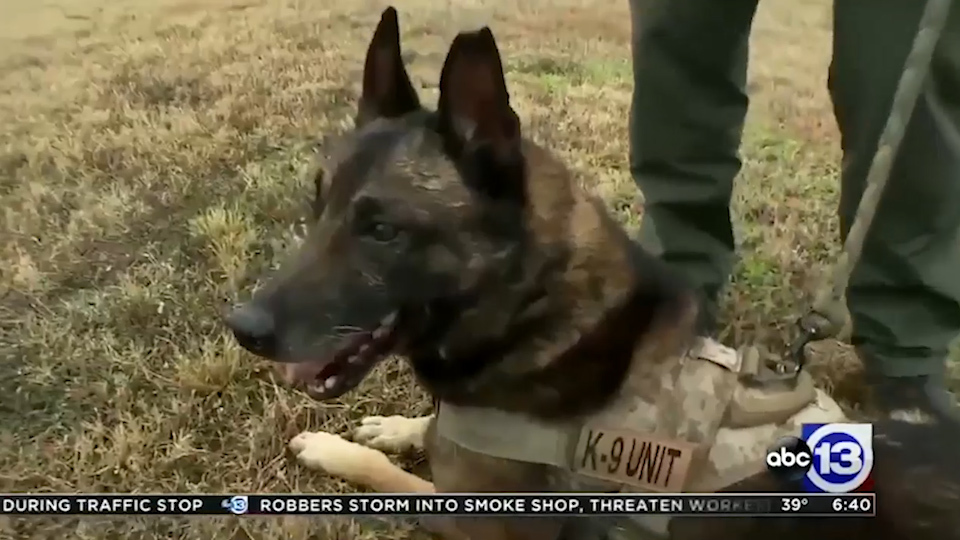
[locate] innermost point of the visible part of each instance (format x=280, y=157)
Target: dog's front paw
x=391, y=433
x=334, y=454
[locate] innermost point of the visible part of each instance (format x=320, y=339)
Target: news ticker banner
x=512, y=505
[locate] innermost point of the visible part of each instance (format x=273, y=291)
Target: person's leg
x=904, y=296
x=686, y=119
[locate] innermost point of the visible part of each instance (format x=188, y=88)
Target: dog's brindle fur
x=516, y=291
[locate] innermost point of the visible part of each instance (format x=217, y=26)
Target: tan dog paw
x=392, y=433
x=335, y=455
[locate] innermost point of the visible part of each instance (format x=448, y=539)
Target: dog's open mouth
x=357, y=354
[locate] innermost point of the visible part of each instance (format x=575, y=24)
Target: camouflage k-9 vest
x=708, y=429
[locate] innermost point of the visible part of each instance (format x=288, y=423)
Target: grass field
x=151, y=161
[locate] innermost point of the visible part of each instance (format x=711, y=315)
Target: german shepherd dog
x=446, y=237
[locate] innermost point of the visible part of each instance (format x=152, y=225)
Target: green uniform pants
x=689, y=103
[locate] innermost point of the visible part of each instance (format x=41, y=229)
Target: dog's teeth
x=355, y=358
x=330, y=382
x=389, y=319
x=380, y=332
x=363, y=349
x=316, y=388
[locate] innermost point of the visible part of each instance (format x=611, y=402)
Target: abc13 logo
x=829, y=458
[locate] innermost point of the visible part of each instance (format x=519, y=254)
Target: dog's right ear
x=479, y=128
x=387, y=90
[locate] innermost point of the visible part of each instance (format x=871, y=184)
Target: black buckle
x=798, y=351
x=786, y=370
x=813, y=327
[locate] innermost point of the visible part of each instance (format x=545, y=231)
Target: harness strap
x=515, y=437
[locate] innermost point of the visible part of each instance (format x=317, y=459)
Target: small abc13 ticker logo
x=830, y=458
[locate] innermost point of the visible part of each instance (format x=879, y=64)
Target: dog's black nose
x=254, y=329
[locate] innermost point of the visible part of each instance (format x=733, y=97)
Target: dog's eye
x=383, y=232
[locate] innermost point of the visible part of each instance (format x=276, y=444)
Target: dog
x=446, y=237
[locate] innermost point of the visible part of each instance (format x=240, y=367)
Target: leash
x=828, y=315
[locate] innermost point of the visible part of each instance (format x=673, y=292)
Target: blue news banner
x=528, y=504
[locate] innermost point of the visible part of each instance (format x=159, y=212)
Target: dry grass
x=151, y=160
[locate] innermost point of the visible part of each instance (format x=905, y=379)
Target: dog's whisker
x=345, y=329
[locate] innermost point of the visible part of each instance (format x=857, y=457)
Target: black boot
x=894, y=397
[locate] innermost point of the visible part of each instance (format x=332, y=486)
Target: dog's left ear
x=387, y=90
x=481, y=132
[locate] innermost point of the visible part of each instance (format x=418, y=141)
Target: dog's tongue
x=295, y=374
x=346, y=367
